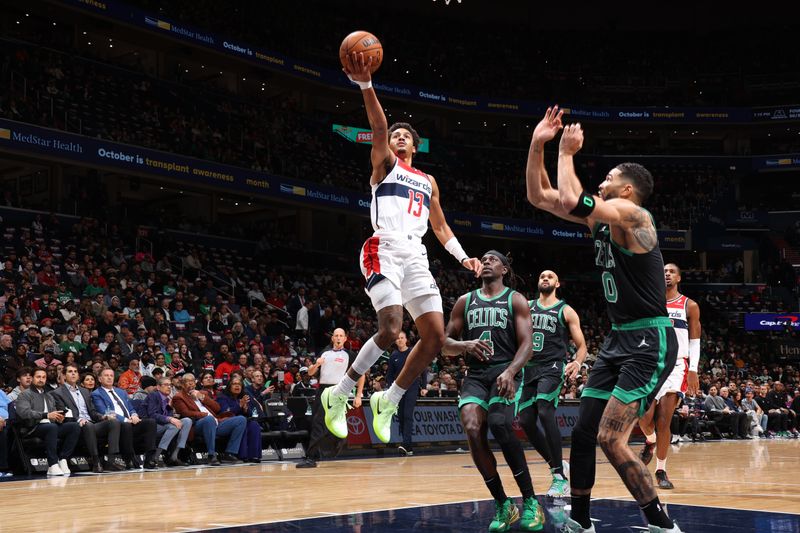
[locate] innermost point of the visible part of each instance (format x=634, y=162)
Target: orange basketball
x=362, y=41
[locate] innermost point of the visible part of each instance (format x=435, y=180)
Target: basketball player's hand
x=547, y=128
x=571, y=140
x=357, y=402
x=572, y=370
x=474, y=264
x=506, y=387
x=478, y=349
x=692, y=383
x=358, y=68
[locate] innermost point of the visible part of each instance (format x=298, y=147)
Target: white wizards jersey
x=401, y=202
x=678, y=310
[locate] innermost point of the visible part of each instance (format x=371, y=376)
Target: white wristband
x=363, y=85
x=694, y=354
x=455, y=249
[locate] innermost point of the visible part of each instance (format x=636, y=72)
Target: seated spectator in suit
x=130, y=379
x=740, y=422
x=718, y=411
x=109, y=400
x=24, y=378
x=37, y=414
x=77, y=404
x=208, y=419
x=235, y=400
x=4, y=401
x=148, y=384
x=158, y=406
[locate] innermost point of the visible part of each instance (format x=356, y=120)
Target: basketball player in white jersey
x=394, y=261
x=685, y=315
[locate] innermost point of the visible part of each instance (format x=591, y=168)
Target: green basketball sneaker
x=559, y=488
x=382, y=412
x=505, y=514
x=532, y=516
x=335, y=407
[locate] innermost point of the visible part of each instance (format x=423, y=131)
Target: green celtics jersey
x=491, y=320
x=633, y=283
x=550, y=333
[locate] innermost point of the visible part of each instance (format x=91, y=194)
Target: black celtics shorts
x=541, y=382
x=480, y=387
x=635, y=360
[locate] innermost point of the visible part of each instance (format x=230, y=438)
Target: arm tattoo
x=643, y=229
x=537, y=148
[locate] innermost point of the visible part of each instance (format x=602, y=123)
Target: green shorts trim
x=640, y=394
x=643, y=323
x=596, y=393
x=472, y=399
x=548, y=397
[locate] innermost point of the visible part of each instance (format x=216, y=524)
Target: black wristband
x=584, y=207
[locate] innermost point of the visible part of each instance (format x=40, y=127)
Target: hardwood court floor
x=755, y=475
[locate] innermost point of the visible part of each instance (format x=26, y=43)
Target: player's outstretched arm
x=446, y=236
x=693, y=312
x=506, y=385
x=573, y=322
x=358, y=70
x=455, y=327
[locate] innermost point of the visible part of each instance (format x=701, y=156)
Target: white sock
x=651, y=438
x=395, y=393
x=366, y=357
x=661, y=464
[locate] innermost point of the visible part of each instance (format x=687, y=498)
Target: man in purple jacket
x=157, y=406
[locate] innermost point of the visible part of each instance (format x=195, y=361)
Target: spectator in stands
x=209, y=421
x=758, y=420
x=4, y=470
x=180, y=315
x=778, y=399
x=740, y=422
x=130, y=379
x=48, y=358
x=227, y=366
x=24, y=378
x=234, y=399
x=158, y=406
x=258, y=389
x=776, y=420
x=89, y=382
x=76, y=402
x=208, y=384
x=146, y=386
x=13, y=363
x=38, y=416
x=112, y=400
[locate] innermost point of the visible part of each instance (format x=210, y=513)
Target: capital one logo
x=355, y=425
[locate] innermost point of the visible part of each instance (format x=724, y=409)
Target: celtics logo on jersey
x=487, y=317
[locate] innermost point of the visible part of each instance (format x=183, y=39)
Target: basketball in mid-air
x=362, y=41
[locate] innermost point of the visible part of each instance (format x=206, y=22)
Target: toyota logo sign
x=356, y=425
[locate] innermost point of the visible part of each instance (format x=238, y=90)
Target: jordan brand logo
x=643, y=343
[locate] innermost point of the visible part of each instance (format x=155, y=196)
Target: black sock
x=655, y=514
x=580, y=510
x=559, y=471
x=525, y=484
x=496, y=488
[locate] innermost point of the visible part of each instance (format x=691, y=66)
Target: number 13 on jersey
x=415, y=201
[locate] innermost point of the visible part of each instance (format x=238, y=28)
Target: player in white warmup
x=685, y=315
x=394, y=261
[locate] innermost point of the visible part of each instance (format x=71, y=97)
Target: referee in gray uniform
x=332, y=365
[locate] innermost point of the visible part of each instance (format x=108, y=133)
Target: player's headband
x=503, y=259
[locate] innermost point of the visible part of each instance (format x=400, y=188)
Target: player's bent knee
x=499, y=427
x=583, y=438
x=546, y=409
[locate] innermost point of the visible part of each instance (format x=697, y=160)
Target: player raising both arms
x=685, y=315
x=639, y=352
x=394, y=261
